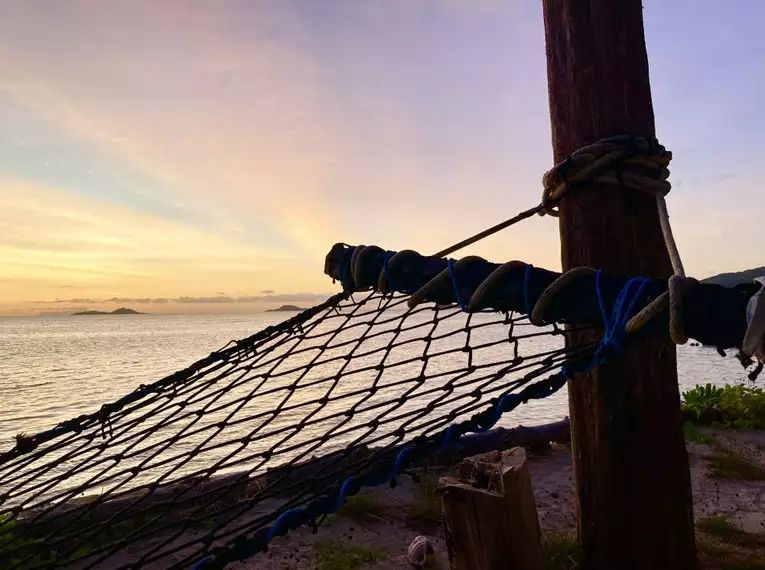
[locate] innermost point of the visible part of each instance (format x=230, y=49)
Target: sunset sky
x=188, y=151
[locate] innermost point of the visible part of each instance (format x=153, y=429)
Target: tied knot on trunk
x=635, y=162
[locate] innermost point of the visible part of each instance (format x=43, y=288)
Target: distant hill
x=733, y=279
x=120, y=311
x=285, y=308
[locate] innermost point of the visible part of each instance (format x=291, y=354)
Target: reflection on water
x=52, y=369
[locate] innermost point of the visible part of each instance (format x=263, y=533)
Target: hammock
x=276, y=430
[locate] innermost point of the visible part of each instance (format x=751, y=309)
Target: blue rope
x=612, y=338
x=448, y=436
x=507, y=402
x=397, y=465
x=614, y=327
x=455, y=286
x=204, y=562
x=526, y=279
x=282, y=517
x=342, y=494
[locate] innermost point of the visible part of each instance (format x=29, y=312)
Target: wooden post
x=490, y=516
x=630, y=461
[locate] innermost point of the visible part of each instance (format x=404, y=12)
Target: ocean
x=55, y=368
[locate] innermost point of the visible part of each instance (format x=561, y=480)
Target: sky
x=199, y=156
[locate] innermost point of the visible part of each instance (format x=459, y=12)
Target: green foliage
x=15, y=549
x=692, y=433
x=334, y=555
x=561, y=552
x=736, y=405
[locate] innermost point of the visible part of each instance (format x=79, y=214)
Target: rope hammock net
x=271, y=432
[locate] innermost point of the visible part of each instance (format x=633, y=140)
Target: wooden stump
x=490, y=516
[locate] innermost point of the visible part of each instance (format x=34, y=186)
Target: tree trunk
x=630, y=461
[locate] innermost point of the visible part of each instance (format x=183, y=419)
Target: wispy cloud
x=271, y=298
x=208, y=150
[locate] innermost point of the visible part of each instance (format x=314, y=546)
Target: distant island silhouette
x=285, y=308
x=735, y=278
x=120, y=311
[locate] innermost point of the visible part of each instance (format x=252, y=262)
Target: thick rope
x=646, y=162
x=639, y=163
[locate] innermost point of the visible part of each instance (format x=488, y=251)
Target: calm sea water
x=52, y=369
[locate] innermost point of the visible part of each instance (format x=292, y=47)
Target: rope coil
x=640, y=163
x=368, y=271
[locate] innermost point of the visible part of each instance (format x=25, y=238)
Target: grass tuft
x=427, y=507
x=361, y=507
x=561, y=552
x=721, y=528
x=333, y=555
x=692, y=433
x=727, y=464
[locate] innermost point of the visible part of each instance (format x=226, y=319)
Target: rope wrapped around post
x=627, y=161
x=711, y=314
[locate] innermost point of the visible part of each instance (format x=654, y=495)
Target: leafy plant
x=736, y=405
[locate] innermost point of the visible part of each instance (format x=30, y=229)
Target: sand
x=391, y=530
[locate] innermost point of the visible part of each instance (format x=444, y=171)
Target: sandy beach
x=380, y=526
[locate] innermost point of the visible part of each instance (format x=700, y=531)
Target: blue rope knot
x=614, y=333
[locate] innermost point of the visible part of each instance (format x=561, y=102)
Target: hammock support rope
x=711, y=314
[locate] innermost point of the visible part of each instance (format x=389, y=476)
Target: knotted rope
x=640, y=163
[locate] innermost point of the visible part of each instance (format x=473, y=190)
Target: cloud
x=284, y=298
x=218, y=299
x=216, y=149
x=111, y=252
x=269, y=298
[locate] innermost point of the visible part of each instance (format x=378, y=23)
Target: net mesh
x=264, y=435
